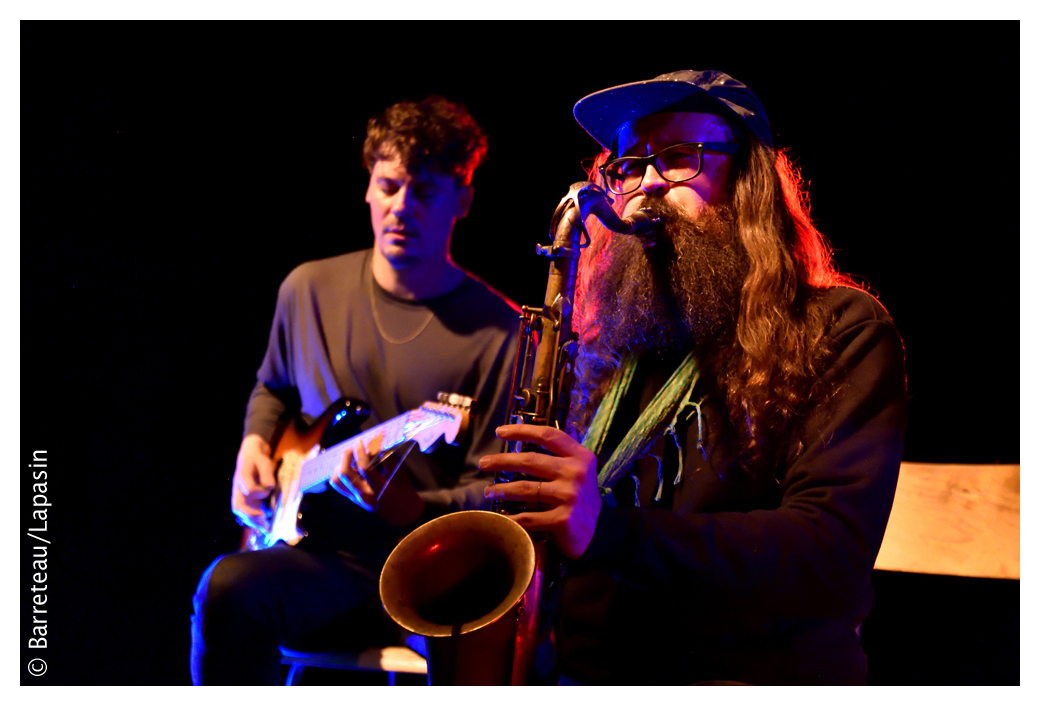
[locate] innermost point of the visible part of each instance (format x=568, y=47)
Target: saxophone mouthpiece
x=646, y=224
x=593, y=201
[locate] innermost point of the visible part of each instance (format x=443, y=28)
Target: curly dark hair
x=431, y=133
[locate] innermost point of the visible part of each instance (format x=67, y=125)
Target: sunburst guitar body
x=307, y=456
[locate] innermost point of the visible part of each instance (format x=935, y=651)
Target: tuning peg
x=455, y=400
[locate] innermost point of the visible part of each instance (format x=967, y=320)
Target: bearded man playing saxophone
x=737, y=539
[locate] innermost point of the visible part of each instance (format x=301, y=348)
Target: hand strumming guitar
x=253, y=482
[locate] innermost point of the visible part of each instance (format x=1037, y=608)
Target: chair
x=391, y=660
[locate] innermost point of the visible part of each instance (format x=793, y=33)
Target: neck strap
x=659, y=416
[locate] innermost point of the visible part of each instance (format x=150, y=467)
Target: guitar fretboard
x=395, y=431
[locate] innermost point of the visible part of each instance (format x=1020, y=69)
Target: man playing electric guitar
x=389, y=328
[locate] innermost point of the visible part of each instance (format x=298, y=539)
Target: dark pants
x=248, y=604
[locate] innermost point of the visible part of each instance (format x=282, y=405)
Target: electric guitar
x=306, y=457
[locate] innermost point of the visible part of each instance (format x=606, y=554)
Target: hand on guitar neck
x=358, y=479
x=268, y=488
x=365, y=484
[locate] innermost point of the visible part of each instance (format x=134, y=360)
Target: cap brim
x=603, y=112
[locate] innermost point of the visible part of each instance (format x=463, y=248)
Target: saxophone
x=473, y=583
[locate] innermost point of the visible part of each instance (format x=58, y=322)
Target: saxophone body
x=474, y=583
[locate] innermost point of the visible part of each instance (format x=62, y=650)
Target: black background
x=173, y=173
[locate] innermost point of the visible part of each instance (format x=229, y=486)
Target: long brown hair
x=767, y=368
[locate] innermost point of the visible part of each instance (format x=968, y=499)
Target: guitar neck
x=322, y=467
x=392, y=432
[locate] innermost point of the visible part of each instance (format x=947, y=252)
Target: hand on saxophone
x=568, y=487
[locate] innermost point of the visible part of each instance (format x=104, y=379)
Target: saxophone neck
x=593, y=201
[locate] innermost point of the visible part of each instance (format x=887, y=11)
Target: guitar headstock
x=463, y=402
x=450, y=418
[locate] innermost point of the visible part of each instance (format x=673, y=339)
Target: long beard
x=680, y=294
x=673, y=296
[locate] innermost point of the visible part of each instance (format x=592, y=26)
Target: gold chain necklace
x=375, y=317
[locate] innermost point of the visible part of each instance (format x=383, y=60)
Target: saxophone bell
x=458, y=581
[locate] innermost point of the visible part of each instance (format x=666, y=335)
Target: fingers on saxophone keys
x=550, y=439
x=548, y=520
x=533, y=463
x=518, y=491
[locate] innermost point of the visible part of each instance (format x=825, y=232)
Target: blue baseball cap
x=603, y=113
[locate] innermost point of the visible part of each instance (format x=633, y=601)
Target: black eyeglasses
x=675, y=163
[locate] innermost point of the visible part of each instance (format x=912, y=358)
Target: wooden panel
x=954, y=519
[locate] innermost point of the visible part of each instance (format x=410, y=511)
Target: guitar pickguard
x=285, y=502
